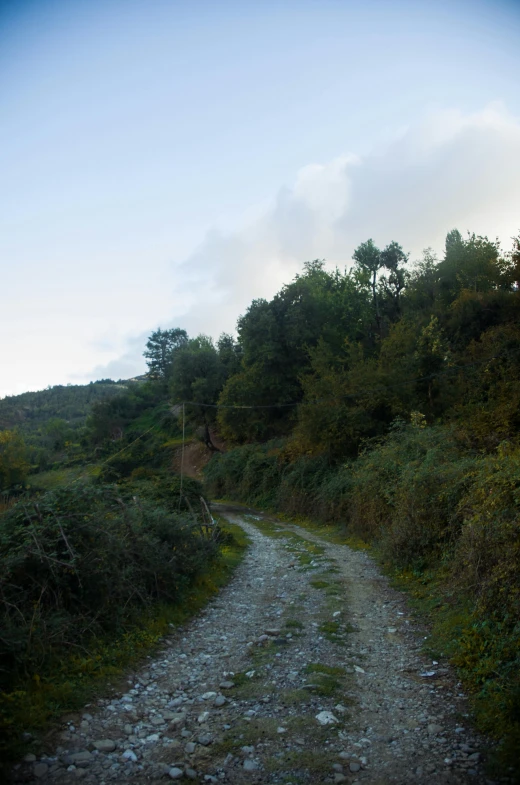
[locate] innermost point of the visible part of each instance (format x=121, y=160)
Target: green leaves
x=160, y=351
x=84, y=560
x=198, y=374
x=14, y=465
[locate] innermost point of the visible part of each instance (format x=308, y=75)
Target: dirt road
x=307, y=668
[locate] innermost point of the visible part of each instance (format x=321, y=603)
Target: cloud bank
x=449, y=170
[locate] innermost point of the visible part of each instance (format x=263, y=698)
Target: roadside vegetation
x=383, y=399
x=405, y=436
x=102, y=550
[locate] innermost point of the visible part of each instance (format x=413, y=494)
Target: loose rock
x=105, y=745
x=326, y=718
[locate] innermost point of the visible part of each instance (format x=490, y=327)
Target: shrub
x=405, y=494
x=249, y=473
x=488, y=552
x=82, y=561
x=14, y=465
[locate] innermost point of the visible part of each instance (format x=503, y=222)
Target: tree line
x=356, y=349
x=330, y=362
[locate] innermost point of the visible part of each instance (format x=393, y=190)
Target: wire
x=104, y=463
x=182, y=454
x=316, y=402
x=357, y=394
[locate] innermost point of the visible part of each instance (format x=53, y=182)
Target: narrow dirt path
x=307, y=668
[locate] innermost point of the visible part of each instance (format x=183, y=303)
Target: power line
x=293, y=404
x=357, y=393
x=104, y=463
x=182, y=453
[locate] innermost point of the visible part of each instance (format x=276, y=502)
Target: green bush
x=78, y=562
x=403, y=491
x=164, y=488
x=405, y=494
x=488, y=551
x=13, y=460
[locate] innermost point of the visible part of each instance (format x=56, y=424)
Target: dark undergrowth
x=442, y=520
x=92, y=577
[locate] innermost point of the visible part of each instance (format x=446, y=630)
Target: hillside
x=48, y=426
x=72, y=403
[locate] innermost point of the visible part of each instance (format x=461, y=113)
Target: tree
x=277, y=338
x=58, y=432
x=347, y=401
x=110, y=417
x=393, y=259
x=473, y=264
x=369, y=262
x=432, y=355
x=198, y=374
x=387, y=290
x=248, y=410
x=230, y=354
x=422, y=284
x=160, y=351
x=487, y=407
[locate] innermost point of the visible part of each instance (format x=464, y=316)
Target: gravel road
x=307, y=668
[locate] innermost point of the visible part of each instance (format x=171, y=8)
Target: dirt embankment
x=196, y=456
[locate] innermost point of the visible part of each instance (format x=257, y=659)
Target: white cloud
x=450, y=170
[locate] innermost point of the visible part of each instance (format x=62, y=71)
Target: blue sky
x=165, y=162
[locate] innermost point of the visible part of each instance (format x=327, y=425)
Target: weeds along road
x=306, y=668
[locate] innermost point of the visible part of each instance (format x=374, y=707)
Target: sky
x=164, y=163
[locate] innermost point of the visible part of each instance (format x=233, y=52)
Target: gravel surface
x=307, y=668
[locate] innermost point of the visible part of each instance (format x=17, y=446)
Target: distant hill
x=72, y=403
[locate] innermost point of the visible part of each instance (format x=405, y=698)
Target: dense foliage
x=102, y=545
x=405, y=432
x=336, y=356
x=79, y=562
x=14, y=465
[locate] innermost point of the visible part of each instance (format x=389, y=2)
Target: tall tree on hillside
x=368, y=263
x=432, y=355
x=423, y=284
x=276, y=338
x=160, y=350
x=198, y=376
x=230, y=353
x=473, y=264
x=198, y=373
x=393, y=259
x=386, y=291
